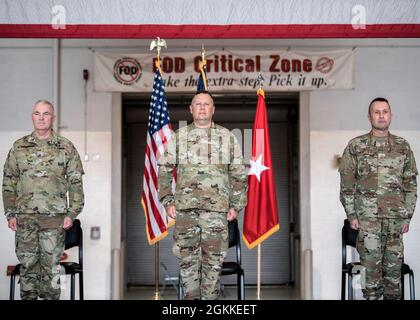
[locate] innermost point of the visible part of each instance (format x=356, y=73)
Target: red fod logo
x=127, y=71
x=324, y=65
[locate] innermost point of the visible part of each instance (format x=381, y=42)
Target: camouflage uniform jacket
x=378, y=181
x=210, y=173
x=38, y=175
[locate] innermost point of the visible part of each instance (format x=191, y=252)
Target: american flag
x=158, y=134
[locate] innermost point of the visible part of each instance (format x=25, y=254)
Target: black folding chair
x=73, y=238
x=349, y=238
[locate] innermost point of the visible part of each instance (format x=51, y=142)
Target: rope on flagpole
x=158, y=43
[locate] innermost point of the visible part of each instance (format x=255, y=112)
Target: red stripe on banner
x=201, y=31
x=155, y=210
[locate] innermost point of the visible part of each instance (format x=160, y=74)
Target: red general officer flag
x=261, y=219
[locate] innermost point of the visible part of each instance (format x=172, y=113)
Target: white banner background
x=233, y=71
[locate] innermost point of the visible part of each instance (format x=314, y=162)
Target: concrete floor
x=229, y=293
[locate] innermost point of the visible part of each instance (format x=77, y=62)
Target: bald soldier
x=211, y=189
x=379, y=193
x=42, y=195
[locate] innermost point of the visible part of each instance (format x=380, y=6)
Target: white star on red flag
x=257, y=167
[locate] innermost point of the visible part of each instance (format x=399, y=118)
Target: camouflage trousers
x=39, y=246
x=380, y=246
x=201, y=242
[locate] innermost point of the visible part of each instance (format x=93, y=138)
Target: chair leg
x=343, y=286
x=180, y=289
x=81, y=295
x=175, y=284
x=350, y=286
x=72, y=285
x=402, y=287
x=241, y=289
x=162, y=291
x=238, y=285
x=412, y=288
x=12, y=287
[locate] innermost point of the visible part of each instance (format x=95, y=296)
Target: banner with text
x=226, y=70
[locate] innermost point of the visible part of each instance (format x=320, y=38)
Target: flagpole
x=260, y=83
x=157, y=293
x=158, y=43
x=259, y=273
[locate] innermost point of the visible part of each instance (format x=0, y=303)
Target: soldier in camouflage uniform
x=379, y=193
x=211, y=189
x=42, y=169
